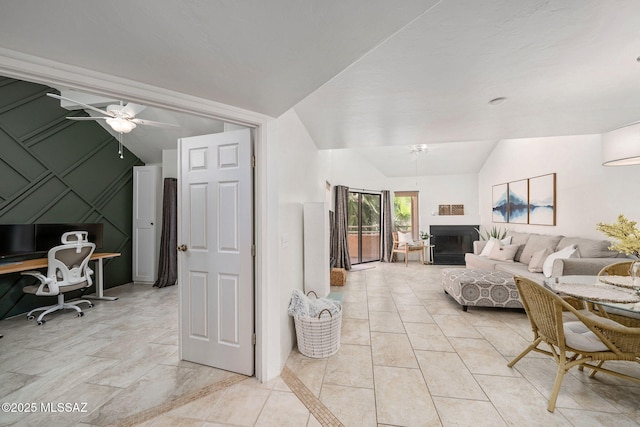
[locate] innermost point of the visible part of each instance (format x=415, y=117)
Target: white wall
x=169, y=164
x=586, y=191
x=302, y=173
x=351, y=169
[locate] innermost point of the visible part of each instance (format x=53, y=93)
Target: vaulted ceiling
x=365, y=73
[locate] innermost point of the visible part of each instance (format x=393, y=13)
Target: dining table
x=613, y=293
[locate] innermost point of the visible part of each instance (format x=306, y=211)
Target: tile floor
x=409, y=356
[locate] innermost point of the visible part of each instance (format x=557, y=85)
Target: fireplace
x=452, y=242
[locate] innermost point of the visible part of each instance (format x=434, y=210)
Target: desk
x=35, y=264
x=591, y=289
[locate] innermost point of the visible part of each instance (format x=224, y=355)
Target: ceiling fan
x=121, y=118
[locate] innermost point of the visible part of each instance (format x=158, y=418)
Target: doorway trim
x=51, y=73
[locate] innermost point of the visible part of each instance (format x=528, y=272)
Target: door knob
x=182, y=248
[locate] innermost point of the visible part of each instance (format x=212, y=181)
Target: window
x=405, y=212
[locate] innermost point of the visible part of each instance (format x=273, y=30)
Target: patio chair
x=590, y=338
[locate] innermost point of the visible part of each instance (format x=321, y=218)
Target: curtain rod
x=362, y=190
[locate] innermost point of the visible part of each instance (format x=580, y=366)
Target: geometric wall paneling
x=54, y=170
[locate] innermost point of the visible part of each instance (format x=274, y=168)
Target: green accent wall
x=55, y=170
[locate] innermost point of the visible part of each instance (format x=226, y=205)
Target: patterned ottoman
x=481, y=288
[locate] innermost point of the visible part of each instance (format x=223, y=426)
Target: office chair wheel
x=90, y=305
x=31, y=317
x=41, y=322
x=80, y=314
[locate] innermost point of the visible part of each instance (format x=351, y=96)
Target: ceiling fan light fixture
x=121, y=125
x=621, y=147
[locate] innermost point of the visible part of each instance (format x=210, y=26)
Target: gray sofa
x=593, y=256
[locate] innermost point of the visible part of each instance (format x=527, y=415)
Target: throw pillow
x=504, y=253
x=568, y=252
x=486, y=251
x=537, y=260
x=405, y=238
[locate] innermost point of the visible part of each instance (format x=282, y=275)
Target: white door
x=215, y=239
x=146, y=188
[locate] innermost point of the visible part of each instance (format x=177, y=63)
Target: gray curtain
x=386, y=227
x=168, y=263
x=340, y=245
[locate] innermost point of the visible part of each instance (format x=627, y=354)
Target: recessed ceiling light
x=496, y=101
x=638, y=59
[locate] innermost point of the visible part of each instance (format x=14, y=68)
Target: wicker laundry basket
x=319, y=337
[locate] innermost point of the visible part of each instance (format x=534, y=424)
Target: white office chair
x=68, y=270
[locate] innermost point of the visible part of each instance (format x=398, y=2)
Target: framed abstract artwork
x=499, y=200
x=518, y=202
x=542, y=200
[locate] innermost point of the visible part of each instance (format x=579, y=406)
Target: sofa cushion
x=537, y=260
x=589, y=248
x=518, y=239
x=503, y=253
x=519, y=269
x=478, y=262
x=568, y=252
x=486, y=251
x=536, y=243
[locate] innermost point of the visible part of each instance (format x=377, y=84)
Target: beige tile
x=355, y=331
x=199, y=408
x=309, y=371
x=541, y=373
x=392, y=350
x=283, y=409
x=508, y=342
x=593, y=418
x=351, y=366
x=414, y=314
x=381, y=304
x=382, y=321
x=406, y=299
x=427, y=337
x=173, y=421
x=355, y=310
x=481, y=358
x=455, y=326
x=352, y=406
x=240, y=405
x=518, y=402
x=462, y=412
x=402, y=397
x=447, y=376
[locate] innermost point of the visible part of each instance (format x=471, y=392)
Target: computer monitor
x=17, y=239
x=48, y=235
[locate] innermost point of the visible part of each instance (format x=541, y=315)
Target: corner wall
x=302, y=173
x=586, y=191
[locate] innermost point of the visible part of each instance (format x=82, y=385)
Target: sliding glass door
x=364, y=227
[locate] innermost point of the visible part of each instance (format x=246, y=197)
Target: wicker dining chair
x=590, y=338
x=618, y=269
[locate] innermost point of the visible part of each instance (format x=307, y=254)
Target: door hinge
x=253, y=161
x=253, y=250
x=253, y=339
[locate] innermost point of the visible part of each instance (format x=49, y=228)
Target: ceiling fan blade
x=87, y=118
x=53, y=95
x=152, y=123
x=132, y=109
